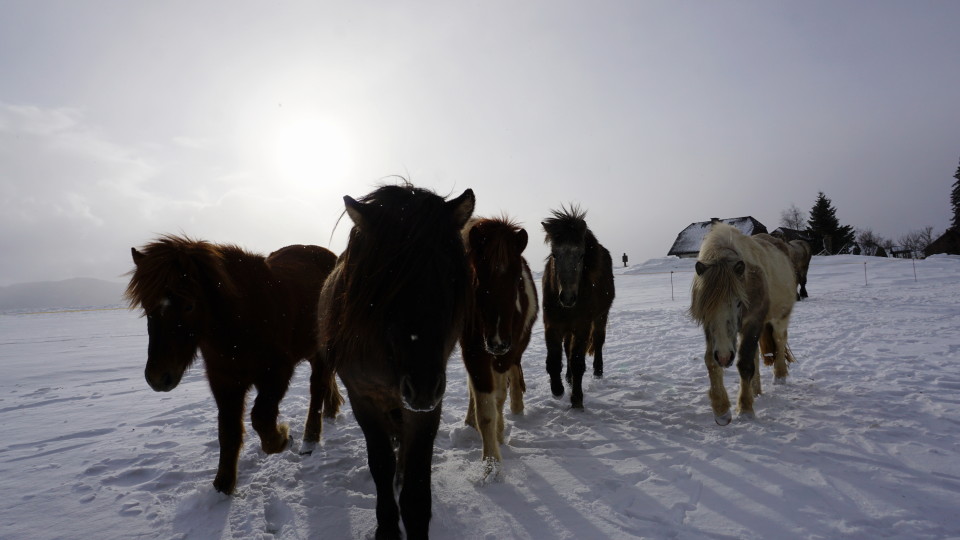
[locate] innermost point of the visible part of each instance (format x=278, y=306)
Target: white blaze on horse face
x=495, y=339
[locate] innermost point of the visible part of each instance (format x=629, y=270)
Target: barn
x=688, y=241
x=949, y=243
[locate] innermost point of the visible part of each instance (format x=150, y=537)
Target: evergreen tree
x=955, y=201
x=824, y=228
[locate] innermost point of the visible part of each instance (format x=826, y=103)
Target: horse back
x=299, y=272
x=773, y=256
x=800, y=254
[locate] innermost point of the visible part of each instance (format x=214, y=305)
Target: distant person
x=624, y=260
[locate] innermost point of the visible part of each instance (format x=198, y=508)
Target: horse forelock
x=498, y=247
x=713, y=289
x=566, y=226
x=410, y=248
x=173, y=264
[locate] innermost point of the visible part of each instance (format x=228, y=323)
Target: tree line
x=827, y=236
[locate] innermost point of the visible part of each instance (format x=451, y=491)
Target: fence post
x=864, y=273
x=671, y=286
x=914, y=269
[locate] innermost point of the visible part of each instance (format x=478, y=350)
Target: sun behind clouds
x=308, y=148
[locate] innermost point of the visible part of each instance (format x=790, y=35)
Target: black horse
x=390, y=314
x=577, y=294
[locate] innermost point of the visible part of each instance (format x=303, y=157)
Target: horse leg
x=487, y=421
x=419, y=432
x=576, y=366
x=383, y=465
x=596, y=344
x=719, y=401
x=566, y=350
x=755, y=381
x=229, y=433
x=471, y=419
x=747, y=366
x=803, y=286
x=500, y=383
x=780, y=370
x=554, y=359
x=517, y=388
x=325, y=400
x=273, y=437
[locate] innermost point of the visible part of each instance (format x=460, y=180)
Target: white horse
x=745, y=288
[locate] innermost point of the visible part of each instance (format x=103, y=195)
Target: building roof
x=688, y=241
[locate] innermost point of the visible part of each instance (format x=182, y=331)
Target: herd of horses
x=419, y=276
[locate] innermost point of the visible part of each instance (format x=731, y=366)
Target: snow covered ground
x=863, y=442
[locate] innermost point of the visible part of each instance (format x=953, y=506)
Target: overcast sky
x=247, y=122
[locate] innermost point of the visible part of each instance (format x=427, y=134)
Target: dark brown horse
x=497, y=327
x=390, y=314
x=577, y=294
x=253, y=319
x=800, y=257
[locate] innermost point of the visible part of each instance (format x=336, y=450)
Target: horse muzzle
x=163, y=381
x=725, y=360
x=497, y=348
x=423, y=397
x=568, y=300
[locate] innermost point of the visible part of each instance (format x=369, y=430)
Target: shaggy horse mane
x=408, y=253
x=718, y=282
x=496, y=252
x=176, y=264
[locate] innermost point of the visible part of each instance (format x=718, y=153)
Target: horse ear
x=739, y=268
x=522, y=239
x=700, y=268
x=137, y=256
x=355, y=210
x=462, y=208
x=475, y=238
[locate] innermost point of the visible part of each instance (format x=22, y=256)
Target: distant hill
x=70, y=293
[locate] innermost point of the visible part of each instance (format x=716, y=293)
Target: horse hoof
x=557, y=388
x=724, y=419
x=746, y=416
x=779, y=380
x=307, y=448
x=577, y=403
x=598, y=374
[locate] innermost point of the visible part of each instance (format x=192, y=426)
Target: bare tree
x=793, y=218
x=917, y=241
x=873, y=244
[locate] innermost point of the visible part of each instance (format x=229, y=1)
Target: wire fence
x=866, y=281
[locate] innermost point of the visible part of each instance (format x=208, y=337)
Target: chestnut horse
x=577, y=294
x=253, y=319
x=744, y=287
x=497, y=327
x=390, y=315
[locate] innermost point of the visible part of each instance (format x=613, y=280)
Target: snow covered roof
x=688, y=241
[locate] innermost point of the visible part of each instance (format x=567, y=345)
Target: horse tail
x=768, y=347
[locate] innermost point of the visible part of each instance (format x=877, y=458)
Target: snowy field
x=863, y=442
